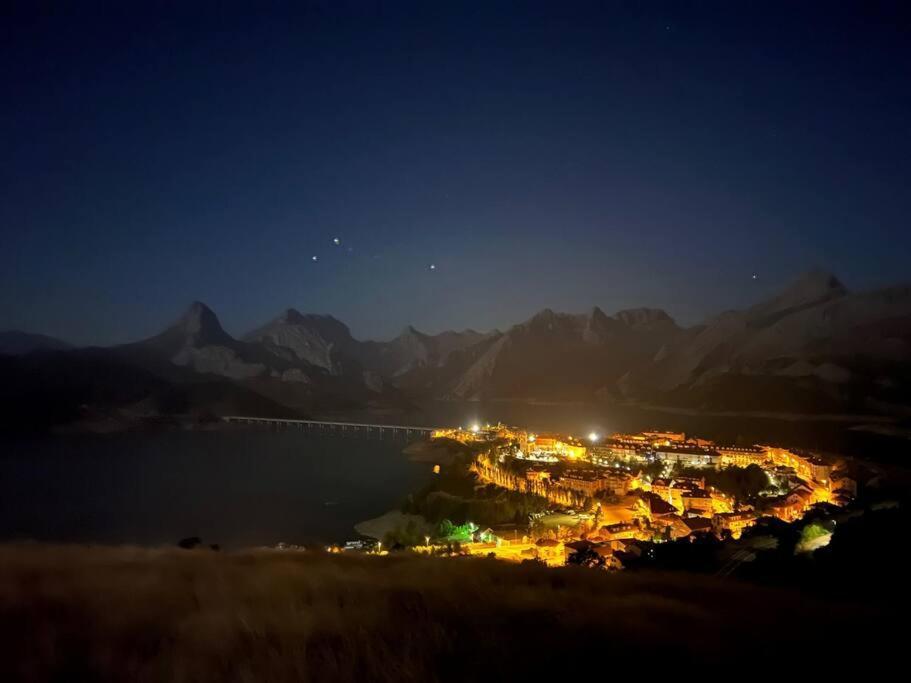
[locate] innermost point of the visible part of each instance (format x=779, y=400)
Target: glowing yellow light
x=592, y=437
x=475, y=428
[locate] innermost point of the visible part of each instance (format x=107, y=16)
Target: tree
x=446, y=528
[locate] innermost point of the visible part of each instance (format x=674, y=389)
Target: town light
x=592, y=437
x=476, y=428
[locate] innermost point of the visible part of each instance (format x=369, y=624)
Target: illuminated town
x=611, y=496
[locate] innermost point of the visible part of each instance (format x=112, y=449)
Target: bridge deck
x=328, y=423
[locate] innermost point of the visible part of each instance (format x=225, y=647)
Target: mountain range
x=815, y=347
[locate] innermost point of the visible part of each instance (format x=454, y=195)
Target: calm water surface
x=235, y=488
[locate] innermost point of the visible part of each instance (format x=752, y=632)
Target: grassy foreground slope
x=71, y=613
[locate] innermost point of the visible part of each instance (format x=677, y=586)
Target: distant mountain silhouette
x=814, y=347
x=15, y=343
x=558, y=356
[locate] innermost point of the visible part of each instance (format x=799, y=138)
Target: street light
x=592, y=437
x=475, y=428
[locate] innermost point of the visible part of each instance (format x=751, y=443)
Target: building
x=672, y=490
x=733, y=523
x=721, y=502
x=699, y=501
x=616, y=449
x=652, y=507
x=620, y=482
x=844, y=488
x=571, y=448
x=587, y=482
x=590, y=482
x=820, y=471
x=664, y=438
x=673, y=527
x=688, y=456
x=620, y=531
x=543, y=442
x=699, y=525
x=790, y=507
x=741, y=456
x=537, y=474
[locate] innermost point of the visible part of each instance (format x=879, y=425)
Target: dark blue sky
x=560, y=155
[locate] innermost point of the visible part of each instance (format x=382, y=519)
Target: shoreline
x=378, y=527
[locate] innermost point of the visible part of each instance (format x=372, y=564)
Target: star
x=314, y=258
x=433, y=266
x=336, y=241
x=755, y=276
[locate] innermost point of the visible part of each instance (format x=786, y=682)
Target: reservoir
x=235, y=487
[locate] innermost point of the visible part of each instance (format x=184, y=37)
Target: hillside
x=15, y=343
x=39, y=391
x=815, y=347
x=258, y=616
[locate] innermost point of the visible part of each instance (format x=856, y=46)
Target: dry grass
x=72, y=613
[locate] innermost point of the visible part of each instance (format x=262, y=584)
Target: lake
x=232, y=487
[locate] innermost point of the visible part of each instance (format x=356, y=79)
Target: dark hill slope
x=127, y=614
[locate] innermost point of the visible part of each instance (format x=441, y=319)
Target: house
x=655, y=508
x=675, y=490
x=552, y=552
x=698, y=500
x=732, y=522
x=619, y=531
x=699, y=525
x=820, y=471
x=843, y=483
x=484, y=536
x=792, y=505
x=674, y=526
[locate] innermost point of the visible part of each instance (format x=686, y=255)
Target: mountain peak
x=639, y=317
x=198, y=315
x=815, y=282
x=200, y=325
x=410, y=331
x=545, y=315
x=292, y=316
x=811, y=288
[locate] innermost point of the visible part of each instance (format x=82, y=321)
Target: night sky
x=559, y=155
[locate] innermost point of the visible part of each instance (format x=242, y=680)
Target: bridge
x=326, y=424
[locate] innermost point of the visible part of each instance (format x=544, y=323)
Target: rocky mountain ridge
x=816, y=346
